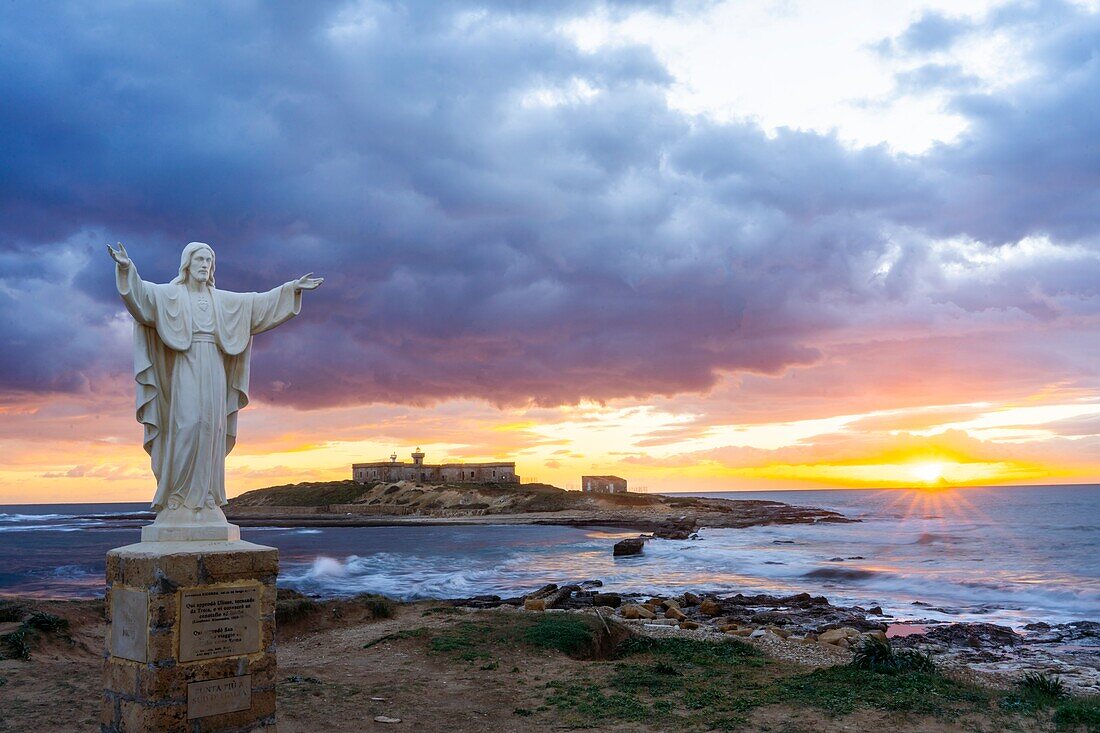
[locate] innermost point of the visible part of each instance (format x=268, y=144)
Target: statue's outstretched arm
x=136, y=294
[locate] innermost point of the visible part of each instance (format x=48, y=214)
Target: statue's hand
x=119, y=255
x=306, y=282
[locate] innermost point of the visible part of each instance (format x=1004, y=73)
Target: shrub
x=1039, y=685
x=379, y=606
x=293, y=609
x=876, y=655
x=16, y=645
x=46, y=622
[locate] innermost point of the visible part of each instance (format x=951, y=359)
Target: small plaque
x=129, y=623
x=219, y=622
x=215, y=697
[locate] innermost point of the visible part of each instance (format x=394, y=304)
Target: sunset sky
x=700, y=245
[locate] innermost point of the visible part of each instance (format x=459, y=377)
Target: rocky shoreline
x=810, y=630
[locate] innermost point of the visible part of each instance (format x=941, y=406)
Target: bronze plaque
x=219, y=622
x=129, y=634
x=215, y=697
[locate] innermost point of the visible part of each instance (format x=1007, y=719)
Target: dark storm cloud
x=498, y=214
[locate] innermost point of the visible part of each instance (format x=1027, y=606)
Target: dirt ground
x=340, y=670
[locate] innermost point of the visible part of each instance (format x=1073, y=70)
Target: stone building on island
x=503, y=472
x=603, y=484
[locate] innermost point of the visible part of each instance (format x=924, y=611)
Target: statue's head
x=197, y=263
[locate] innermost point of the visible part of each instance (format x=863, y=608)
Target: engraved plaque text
x=214, y=697
x=219, y=622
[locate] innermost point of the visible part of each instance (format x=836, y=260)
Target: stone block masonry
x=191, y=638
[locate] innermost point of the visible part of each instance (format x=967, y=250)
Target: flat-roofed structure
x=503, y=472
x=603, y=484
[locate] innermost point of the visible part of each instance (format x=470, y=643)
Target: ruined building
x=442, y=473
x=603, y=484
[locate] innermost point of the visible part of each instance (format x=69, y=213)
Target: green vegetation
x=378, y=606
x=843, y=689
x=18, y=644
x=1077, y=713
x=316, y=493
x=1036, y=693
x=295, y=608
x=405, y=634
x=11, y=611
x=692, y=685
x=1042, y=686
x=46, y=622
x=568, y=634
x=876, y=655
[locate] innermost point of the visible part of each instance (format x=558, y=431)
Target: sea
x=1006, y=555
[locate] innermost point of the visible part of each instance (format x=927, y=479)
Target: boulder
x=688, y=625
x=975, y=636
x=690, y=599
x=635, y=611
x=670, y=603
x=534, y=604
x=675, y=613
x=607, y=599
x=675, y=529
x=632, y=546
x=559, y=597
x=710, y=607
x=875, y=634
x=544, y=591
x=833, y=636
x=739, y=632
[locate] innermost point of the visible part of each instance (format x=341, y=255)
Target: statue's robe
x=191, y=368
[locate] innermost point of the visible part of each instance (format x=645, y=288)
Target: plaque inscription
x=129, y=623
x=219, y=622
x=214, y=697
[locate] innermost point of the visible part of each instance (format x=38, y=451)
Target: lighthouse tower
x=418, y=457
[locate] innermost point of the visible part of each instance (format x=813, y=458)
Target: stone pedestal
x=191, y=638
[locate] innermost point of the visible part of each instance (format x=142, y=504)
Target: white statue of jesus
x=192, y=346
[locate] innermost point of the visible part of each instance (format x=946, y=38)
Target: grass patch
x=1077, y=713
x=656, y=679
x=404, y=634
x=693, y=652
x=591, y=704
x=467, y=640
x=692, y=685
x=572, y=635
x=293, y=609
x=843, y=689
x=1034, y=691
x=378, y=606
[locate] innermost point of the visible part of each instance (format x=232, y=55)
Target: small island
x=350, y=503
